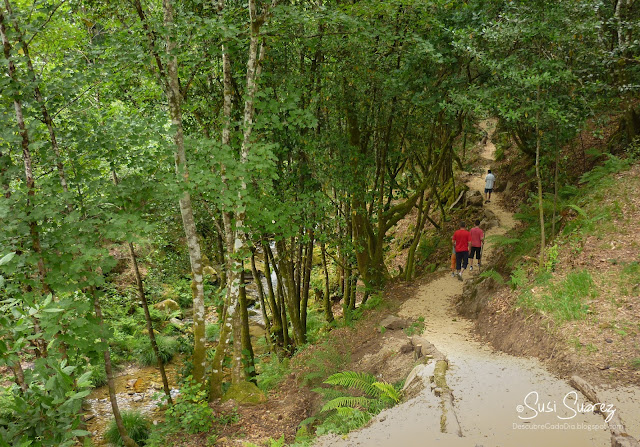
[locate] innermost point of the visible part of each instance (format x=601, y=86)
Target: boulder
x=167, y=306
x=393, y=322
x=490, y=220
x=176, y=322
x=245, y=393
x=488, y=214
x=211, y=273
x=475, y=199
x=487, y=224
x=139, y=386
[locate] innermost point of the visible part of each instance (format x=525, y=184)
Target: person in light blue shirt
x=489, y=180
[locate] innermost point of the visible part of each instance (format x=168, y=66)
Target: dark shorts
x=486, y=190
x=462, y=259
x=475, y=251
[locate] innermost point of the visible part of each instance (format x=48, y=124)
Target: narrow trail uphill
x=498, y=399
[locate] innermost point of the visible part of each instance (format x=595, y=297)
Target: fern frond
x=351, y=379
x=502, y=240
x=578, y=210
x=348, y=401
x=387, y=390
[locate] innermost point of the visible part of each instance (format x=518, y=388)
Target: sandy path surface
x=496, y=396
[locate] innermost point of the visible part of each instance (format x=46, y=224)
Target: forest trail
x=489, y=387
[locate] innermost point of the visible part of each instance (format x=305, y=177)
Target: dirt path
x=489, y=388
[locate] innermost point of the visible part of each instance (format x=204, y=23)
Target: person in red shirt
x=477, y=239
x=461, y=241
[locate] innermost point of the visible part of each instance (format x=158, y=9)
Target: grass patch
x=566, y=301
x=635, y=363
x=138, y=427
x=167, y=347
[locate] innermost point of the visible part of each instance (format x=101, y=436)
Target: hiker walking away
x=461, y=240
x=477, y=239
x=489, y=180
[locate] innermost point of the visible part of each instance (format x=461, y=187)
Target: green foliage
x=48, y=412
x=378, y=395
x=415, y=328
x=552, y=258
x=136, y=424
x=427, y=247
x=190, y=411
x=212, y=332
x=518, y=278
x=612, y=165
x=635, y=363
x=343, y=421
x=271, y=373
x=375, y=301
x=324, y=360
x=98, y=375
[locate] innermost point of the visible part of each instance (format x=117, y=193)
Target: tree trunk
x=539, y=181
x=286, y=270
x=126, y=440
x=215, y=384
x=247, y=348
x=328, y=311
x=308, y=264
x=555, y=193
x=38, y=95
x=422, y=213
x=18, y=374
x=275, y=308
x=147, y=316
x=215, y=378
x=28, y=169
x=265, y=316
x=174, y=97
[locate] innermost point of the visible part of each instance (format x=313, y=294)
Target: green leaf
x=7, y=258
x=80, y=432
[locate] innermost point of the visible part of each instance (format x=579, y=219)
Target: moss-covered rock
x=245, y=393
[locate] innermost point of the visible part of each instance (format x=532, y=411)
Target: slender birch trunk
x=174, y=97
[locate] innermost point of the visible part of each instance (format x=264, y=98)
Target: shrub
x=190, y=411
x=137, y=425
